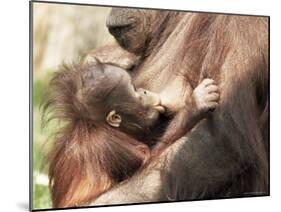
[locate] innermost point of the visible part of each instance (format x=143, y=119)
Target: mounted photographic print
x=139, y=105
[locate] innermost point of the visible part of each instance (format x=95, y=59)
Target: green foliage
x=41, y=139
x=41, y=198
x=38, y=88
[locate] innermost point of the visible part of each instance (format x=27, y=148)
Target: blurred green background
x=61, y=33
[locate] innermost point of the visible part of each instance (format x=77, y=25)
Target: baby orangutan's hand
x=206, y=95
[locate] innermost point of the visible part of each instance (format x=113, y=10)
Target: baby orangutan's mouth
x=160, y=108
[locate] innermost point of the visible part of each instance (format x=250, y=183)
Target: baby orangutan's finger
x=207, y=82
x=213, y=97
x=212, y=88
x=212, y=105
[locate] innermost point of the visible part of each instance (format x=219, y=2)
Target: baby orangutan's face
x=136, y=103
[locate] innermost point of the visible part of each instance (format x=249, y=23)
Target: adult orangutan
x=226, y=154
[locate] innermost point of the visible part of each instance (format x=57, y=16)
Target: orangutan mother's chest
x=172, y=89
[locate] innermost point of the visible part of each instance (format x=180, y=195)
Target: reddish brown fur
x=226, y=155
x=86, y=160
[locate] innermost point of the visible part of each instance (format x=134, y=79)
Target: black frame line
x=31, y=108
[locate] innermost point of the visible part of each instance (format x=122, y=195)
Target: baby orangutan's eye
x=144, y=92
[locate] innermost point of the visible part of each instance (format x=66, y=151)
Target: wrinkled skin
x=225, y=155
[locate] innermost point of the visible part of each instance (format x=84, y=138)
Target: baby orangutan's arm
x=203, y=99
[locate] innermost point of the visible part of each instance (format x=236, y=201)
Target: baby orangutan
x=108, y=95
x=108, y=122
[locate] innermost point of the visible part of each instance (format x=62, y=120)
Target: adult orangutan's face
x=131, y=27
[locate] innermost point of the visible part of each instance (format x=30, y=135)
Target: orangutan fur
x=226, y=154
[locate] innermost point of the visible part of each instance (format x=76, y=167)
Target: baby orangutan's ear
x=113, y=119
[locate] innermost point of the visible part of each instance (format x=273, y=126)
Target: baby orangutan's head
x=104, y=94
